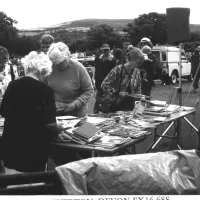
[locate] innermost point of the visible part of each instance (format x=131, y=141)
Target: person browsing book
x=124, y=81
x=28, y=107
x=70, y=82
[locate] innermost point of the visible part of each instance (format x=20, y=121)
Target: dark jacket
x=27, y=106
x=102, y=69
x=194, y=63
x=149, y=67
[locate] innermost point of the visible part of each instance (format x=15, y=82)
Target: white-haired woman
x=28, y=107
x=70, y=82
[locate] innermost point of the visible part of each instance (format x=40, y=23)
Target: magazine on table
x=66, y=117
x=126, y=131
x=69, y=123
x=110, y=141
x=158, y=103
x=154, y=109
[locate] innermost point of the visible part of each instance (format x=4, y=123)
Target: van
x=168, y=57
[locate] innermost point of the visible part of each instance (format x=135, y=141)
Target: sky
x=41, y=13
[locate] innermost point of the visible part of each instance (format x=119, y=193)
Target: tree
x=7, y=30
x=152, y=25
x=194, y=36
x=101, y=34
x=23, y=45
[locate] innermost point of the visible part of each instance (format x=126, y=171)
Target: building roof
x=166, y=48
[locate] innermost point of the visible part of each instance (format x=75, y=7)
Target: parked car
x=168, y=56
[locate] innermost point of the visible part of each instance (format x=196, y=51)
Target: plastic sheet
x=173, y=172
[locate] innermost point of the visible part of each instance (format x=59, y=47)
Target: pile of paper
x=68, y=121
x=109, y=141
x=125, y=131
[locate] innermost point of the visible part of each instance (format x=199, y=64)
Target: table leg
x=93, y=154
x=104, y=154
x=154, y=140
x=191, y=124
x=130, y=150
x=153, y=145
x=133, y=149
x=178, y=131
x=198, y=141
x=197, y=131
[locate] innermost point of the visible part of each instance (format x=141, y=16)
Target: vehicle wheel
x=189, y=78
x=174, y=77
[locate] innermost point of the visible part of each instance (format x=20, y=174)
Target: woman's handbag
x=102, y=105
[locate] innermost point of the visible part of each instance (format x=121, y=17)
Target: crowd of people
x=54, y=84
x=120, y=74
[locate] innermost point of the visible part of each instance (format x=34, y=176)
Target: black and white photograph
x=99, y=100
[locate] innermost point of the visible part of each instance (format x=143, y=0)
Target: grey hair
x=35, y=62
x=136, y=55
x=58, y=52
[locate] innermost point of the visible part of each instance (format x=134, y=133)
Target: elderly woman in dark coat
x=28, y=107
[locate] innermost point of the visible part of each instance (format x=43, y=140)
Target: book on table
x=84, y=134
x=70, y=136
x=86, y=131
x=109, y=141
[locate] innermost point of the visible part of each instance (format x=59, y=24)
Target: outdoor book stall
x=108, y=134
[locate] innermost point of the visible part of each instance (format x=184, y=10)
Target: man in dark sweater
x=195, y=74
x=125, y=49
x=103, y=65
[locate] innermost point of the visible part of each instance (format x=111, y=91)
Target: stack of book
x=88, y=132
x=83, y=134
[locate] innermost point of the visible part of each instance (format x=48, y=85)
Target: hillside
x=85, y=24
x=80, y=25
x=118, y=24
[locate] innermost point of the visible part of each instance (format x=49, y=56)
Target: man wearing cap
x=195, y=63
x=103, y=65
x=145, y=41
